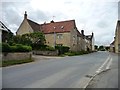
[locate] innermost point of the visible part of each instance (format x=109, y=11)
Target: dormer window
x=62, y=27
x=54, y=27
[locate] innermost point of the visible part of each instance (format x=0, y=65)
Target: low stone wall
x=17, y=56
x=46, y=53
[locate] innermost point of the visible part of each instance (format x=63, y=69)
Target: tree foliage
x=32, y=39
x=96, y=47
x=101, y=48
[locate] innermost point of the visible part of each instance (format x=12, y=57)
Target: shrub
x=16, y=48
x=5, y=47
x=62, y=49
x=0, y=47
x=77, y=53
x=50, y=48
x=22, y=48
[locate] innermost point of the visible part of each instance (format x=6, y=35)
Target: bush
x=23, y=48
x=16, y=48
x=77, y=53
x=62, y=49
x=0, y=47
x=50, y=48
x=5, y=47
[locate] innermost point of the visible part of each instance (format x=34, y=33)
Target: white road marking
x=106, y=61
x=110, y=62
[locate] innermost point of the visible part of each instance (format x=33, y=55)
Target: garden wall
x=46, y=53
x=16, y=56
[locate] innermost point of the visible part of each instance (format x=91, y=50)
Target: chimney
x=52, y=21
x=82, y=31
x=25, y=15
x=92, y=34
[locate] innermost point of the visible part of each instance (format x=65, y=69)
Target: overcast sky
x=95, y=16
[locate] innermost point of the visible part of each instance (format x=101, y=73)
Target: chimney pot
x=25, y=15
x=82, y=31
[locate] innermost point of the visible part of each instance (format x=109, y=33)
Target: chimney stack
x=92, y=34
x=25, y=15
x=82, y=31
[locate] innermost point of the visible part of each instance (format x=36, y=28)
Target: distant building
x=63, y=33
x=112, y=47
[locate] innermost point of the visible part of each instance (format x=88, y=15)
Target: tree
x=36, y=38
x=101, y=48
x=96, y=47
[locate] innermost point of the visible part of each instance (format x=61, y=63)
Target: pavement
x=55, y=72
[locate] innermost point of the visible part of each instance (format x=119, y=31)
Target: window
x=73, y=37
x=62, y=27
x=59, y=36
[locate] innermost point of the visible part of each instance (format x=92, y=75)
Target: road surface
x=67, y=72
x=109, y=78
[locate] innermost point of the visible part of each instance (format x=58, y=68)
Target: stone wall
x=46, y=53
x=16, y=56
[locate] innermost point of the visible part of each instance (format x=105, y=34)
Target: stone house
x=56, y=33
x=88, y=41
x=117, y=38
x=62, y=33
x=27, y=26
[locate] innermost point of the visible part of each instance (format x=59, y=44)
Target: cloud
x=99, y=17
x=119, y=10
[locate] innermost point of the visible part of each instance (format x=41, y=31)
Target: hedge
x=16, y=48
x=43, y=47
x=62, y=49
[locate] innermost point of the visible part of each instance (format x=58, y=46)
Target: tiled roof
x=35, y=26
x=58, y=27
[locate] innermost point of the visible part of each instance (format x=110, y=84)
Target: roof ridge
x=32, y=21
x=59, y=21
x=35, y=26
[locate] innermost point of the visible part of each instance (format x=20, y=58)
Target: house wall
x=52, y=38
x=93, y=46
x=79, y=40
x=24, y=28
x=112, y=48
x=75, y=41
x=117, y=39
x=88, y=45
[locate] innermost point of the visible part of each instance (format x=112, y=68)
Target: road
x=67, y=72
x=109, y=78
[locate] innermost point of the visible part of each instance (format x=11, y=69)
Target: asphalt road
x=109, y=78
x=67, y=72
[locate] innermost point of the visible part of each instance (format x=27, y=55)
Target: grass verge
x=75, y=53
x=14, y=62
